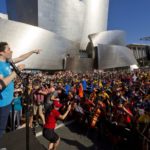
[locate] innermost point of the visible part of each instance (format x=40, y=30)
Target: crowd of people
x=115, y=103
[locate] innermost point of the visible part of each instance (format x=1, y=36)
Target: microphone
x=17, y=71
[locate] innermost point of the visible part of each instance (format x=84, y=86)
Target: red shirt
x=51, y=119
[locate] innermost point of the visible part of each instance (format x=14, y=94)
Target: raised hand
x=21, y=67
x=37, y=51
x=69, y=107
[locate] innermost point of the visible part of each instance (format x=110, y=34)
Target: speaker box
x=16, y=140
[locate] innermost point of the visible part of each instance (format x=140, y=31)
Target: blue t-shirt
x=67, y=89
x=84, y=84
x=17, y=103
x=6, y=95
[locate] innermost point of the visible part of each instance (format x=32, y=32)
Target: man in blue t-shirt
x=7, y=77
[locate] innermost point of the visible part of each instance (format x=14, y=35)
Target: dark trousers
x=4, y=114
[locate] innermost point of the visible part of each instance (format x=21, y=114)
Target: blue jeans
x=4, y=114
x=17, y=117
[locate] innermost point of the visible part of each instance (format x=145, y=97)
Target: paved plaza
x=73, y=137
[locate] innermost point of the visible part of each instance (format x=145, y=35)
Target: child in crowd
x=17, y=107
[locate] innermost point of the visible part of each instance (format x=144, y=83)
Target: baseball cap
x=57, y=104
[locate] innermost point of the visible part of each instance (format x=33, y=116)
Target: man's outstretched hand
x=37, y=51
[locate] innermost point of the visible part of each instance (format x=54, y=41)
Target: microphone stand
x=25, y=85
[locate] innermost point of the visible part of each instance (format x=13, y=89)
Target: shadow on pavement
x=77, y=144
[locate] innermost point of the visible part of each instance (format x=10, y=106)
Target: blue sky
x=2, y=6
x=132, y=16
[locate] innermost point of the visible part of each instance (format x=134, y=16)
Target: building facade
x=63, y=27
x=71, y=19
x=141, y=52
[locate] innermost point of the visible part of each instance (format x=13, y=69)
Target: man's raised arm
x=26, y=55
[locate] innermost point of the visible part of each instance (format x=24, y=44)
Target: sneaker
x=19, y=127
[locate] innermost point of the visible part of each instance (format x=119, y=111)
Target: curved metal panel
x=112, y=37
x=112, y=56
x=96, y=17
x=72, y=19
x=22, y=38
x=63, y=17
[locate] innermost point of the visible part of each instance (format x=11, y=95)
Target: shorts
x=50, y=135
x=38, y=107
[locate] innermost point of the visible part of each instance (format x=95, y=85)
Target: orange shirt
x=80, y=91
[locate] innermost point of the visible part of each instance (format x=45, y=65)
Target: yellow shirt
x=144, y=118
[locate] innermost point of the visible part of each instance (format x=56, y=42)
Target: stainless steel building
x=23, y=38
x=62, y=27
x=71, y=19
